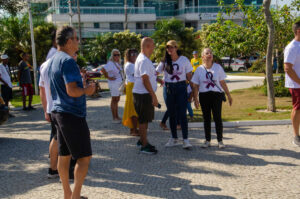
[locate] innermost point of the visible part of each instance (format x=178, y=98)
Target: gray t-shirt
x=25, y=77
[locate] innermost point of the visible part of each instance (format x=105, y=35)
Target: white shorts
x=114, y=88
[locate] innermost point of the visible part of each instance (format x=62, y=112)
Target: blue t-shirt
x=63, y=70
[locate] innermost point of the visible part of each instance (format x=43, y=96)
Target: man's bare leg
x=53, y=151
x=63, y=170
x=81, y=170
x=143, y=133
x=295, y=117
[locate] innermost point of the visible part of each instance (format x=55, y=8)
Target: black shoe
x=139, y=143
x=25, y=109
x=31, y=108
x=296, y=140
x=149, y=149
x=52, y=174
x=11, y=115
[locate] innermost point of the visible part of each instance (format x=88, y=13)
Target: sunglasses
x=116, y=55
x=171, y=47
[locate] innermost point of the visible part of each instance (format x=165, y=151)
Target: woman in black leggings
x=209, y=81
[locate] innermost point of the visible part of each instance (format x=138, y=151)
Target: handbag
x=223, y=97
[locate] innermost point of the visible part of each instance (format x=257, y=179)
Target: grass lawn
x=246, y=102
x=17, y=99
x=252, y=74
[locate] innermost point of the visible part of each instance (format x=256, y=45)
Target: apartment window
x=116, y=26
x=139, y=26
x=96, y=25
x=145, y=26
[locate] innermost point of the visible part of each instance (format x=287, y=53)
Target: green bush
x=81, y=61
x=279, y=89
x=259, y=66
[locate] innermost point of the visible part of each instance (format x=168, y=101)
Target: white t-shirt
x=44, y=82
x=51, y=52
x=202, y=78
x=143, y=65
x=292, y=56
x=5, y=76
x=129, y=72
x=113, y=70
x=181, y=66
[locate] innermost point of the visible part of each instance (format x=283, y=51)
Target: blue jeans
x=190, y=109
x=177, y=105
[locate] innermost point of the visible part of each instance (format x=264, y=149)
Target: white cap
x=4, y=56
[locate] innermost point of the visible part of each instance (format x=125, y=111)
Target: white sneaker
x=186, y=144
x=205, y=144
x=221, y=145
x=172, y=142
x=116, y=121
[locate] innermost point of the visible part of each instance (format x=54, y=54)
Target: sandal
x=83, y=197
x=164, y=127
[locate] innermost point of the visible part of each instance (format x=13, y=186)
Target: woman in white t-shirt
x=130, y=118
x=177, y=70
x=209, y=81
x=113, y=71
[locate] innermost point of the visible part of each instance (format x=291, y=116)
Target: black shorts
x=73, y=135
x=6, y=93
x=143, y=107
x=53, y=129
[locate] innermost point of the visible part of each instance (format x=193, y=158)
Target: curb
x=229, y=77
x=243, y=123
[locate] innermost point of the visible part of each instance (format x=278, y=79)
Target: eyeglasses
x=115, y=55
x=171, y=47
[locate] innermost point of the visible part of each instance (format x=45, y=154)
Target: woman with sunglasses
x=177, y=69
x=130, y=118
x=209, y=81
x=114, y=73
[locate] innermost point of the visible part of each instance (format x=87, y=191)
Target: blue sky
x=281, y=2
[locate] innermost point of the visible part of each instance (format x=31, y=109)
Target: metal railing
x=103, y=10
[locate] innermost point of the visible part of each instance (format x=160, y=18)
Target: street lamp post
x=33, y=49
x=79, y=26
x=70, y=12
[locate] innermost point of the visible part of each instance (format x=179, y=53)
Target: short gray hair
x=111, y=58
x=296, y=26
x=63, y=34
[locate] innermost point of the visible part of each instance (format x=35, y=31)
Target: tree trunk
x=269, y=67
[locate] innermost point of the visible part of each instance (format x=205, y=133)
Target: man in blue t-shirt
x=69, y=111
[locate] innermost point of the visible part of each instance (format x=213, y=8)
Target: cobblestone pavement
x=259, y=162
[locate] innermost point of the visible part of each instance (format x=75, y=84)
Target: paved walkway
x=259, y=162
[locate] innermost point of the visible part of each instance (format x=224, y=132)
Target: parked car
x=235, y=64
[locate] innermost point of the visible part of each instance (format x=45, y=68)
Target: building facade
x=99, y=16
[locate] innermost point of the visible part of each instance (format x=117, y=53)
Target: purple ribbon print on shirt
x=209, y=75
x=176, y=73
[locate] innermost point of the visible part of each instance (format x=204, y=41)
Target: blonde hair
x=111, y=58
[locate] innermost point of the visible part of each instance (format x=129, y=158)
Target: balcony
x=103, y=10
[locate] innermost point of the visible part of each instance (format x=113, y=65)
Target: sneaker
x=221, y=145
x=172, y=142
x=206, y=144
x=116, y=121
x=296, y=140
x=52, y=174
x=31, y=108
x=163, y=126
x=139, y=144
x=186, y=144
x=148, y=149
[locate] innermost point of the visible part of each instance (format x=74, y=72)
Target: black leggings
x=212, y=102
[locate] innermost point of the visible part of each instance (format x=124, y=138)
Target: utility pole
x=33, y=49
x=126, y=15
x=79, y=26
